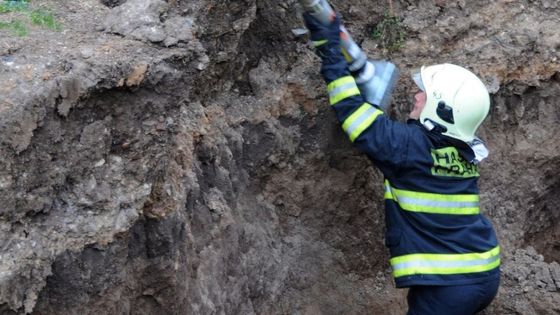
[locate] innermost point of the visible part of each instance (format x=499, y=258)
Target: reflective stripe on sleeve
x=460, y=204
x=342, y=88
x=360, y=119
x=318, y=43
x=445, y=264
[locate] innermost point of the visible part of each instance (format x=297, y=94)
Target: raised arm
x=365, y=124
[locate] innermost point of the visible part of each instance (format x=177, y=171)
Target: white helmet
x=455, y=99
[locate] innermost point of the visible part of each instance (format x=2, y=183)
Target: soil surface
x=180, y=157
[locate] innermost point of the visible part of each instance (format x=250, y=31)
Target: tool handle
x=319, y=9
x=324, y=13
x=376, y=79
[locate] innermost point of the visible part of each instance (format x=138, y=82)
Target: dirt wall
x=180, y=157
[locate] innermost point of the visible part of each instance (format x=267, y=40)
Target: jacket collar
x=474, y=152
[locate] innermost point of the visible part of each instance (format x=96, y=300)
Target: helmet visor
x=417, y=78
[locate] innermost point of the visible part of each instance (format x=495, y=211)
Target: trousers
x=451, y=300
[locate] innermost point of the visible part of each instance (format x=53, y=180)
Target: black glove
x=326, y=38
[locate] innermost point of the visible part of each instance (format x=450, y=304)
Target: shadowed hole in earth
x=112, y=3
x=543, y=224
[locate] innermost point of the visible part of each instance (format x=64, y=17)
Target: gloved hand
x=326, y=38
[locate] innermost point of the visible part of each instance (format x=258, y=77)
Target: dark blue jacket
x=435, y=233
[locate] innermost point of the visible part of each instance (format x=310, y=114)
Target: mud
x=179, y=157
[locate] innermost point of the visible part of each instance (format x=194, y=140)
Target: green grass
x=13, y=6
x=17, y=27
x=45, y=18
x=390, y=33
x=40, y=17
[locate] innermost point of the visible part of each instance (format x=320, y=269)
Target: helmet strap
x=430, y=125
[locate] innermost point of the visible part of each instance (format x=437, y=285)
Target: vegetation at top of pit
x=389, y=33
x=21, y=15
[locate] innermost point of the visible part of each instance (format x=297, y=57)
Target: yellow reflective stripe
x=344, y=94
x=446, y=271
x=342, y=88
x=432, y=196
x=445, y=263
x=340, y=81
x=439, y=210
x=360, y=120
x=388, y=193
x=318, y=43
x=456, y=204
x=446, y=257
x=347, y=56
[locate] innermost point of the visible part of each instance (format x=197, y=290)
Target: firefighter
x=442, y=248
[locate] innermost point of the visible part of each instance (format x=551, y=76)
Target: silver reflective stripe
x=444, y=264
x=437, y=203
x=360, y=119
x=452, y=204
x=388, y=189
x=342, y=88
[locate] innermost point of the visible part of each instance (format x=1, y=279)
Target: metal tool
x=375, y=78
